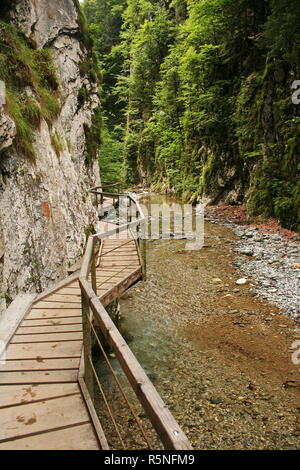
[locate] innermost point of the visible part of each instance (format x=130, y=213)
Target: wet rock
x=247, y=251
x=216, y=400
x=241, y=324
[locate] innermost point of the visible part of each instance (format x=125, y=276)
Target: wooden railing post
x=129, y=210
x=93, y=267
x=144, y=260
x=87, y=343
x=143, y=248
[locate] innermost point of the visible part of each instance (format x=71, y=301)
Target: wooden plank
x=113, y=293
x=52, y=321
x=53, y=313
x=115, y=271
x=70, y=291
x=121, y=256
x=95, y=420
x=14, y=315
x=119, y=249
x=45, y=338
x=73, y=285
x=42, y=416
x=40, y=364
x=20, y=394
x=38, y=377
x=113, y=247
x=78, y=437
x=90, y=406
x=23, y=330
x=69, y=299
x=162, y=420
x=119, y=265
x=55, y=305
x=118, y=257
x=120, y=229
x=69, y=281
x=106, y=284
x=44, y=350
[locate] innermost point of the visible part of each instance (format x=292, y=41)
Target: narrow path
x=41, y=402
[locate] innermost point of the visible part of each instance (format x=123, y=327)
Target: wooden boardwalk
x=41, y=403
x=119, y=266
x=46, y=378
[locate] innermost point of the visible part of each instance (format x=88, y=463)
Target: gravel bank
x=270, y=261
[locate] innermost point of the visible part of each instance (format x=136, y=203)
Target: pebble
x=216, y=400
x=247, y=252
x=274, y=268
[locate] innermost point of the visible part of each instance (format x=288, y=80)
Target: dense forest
x=197, y=99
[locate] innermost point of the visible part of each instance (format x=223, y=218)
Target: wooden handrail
x=161, y=418
x=106, y=184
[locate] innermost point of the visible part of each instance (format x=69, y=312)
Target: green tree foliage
x=204, y=89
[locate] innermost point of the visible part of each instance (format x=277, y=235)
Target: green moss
x=88, y=231
x=7, y=297
x=57, y=144
x=85, y=37
x=69, y=146
x=83, y=95
x=22, y=65
x=45, y=68
x=90, y=68
x=93, y=137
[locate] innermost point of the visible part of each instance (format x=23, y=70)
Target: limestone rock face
x=45, y=207
x=7, y=130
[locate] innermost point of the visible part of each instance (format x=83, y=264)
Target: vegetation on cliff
x=32, y=85
x=24, y=67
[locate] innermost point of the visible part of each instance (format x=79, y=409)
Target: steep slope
x=49, y=138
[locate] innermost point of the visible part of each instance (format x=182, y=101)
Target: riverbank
x=219, y=354
x=267, y=255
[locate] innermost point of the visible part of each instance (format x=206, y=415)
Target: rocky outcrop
x=7, y=130
x=45, y=207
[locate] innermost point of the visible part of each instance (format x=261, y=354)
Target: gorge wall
x=205, y=88
x=49, y=136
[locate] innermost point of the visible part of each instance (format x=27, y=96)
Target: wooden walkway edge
x=44, y=402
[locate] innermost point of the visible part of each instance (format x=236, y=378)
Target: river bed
x=219, y=355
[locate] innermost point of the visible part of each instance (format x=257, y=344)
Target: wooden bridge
x=48, y=379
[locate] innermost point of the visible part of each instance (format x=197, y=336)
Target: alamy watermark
x=2, y=93
x=296, y=354
x=2, y=353
x=161, y=221
x=296, y=93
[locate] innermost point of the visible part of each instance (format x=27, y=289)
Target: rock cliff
x=49, y=116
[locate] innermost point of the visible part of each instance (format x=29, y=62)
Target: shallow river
x=205, y=343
